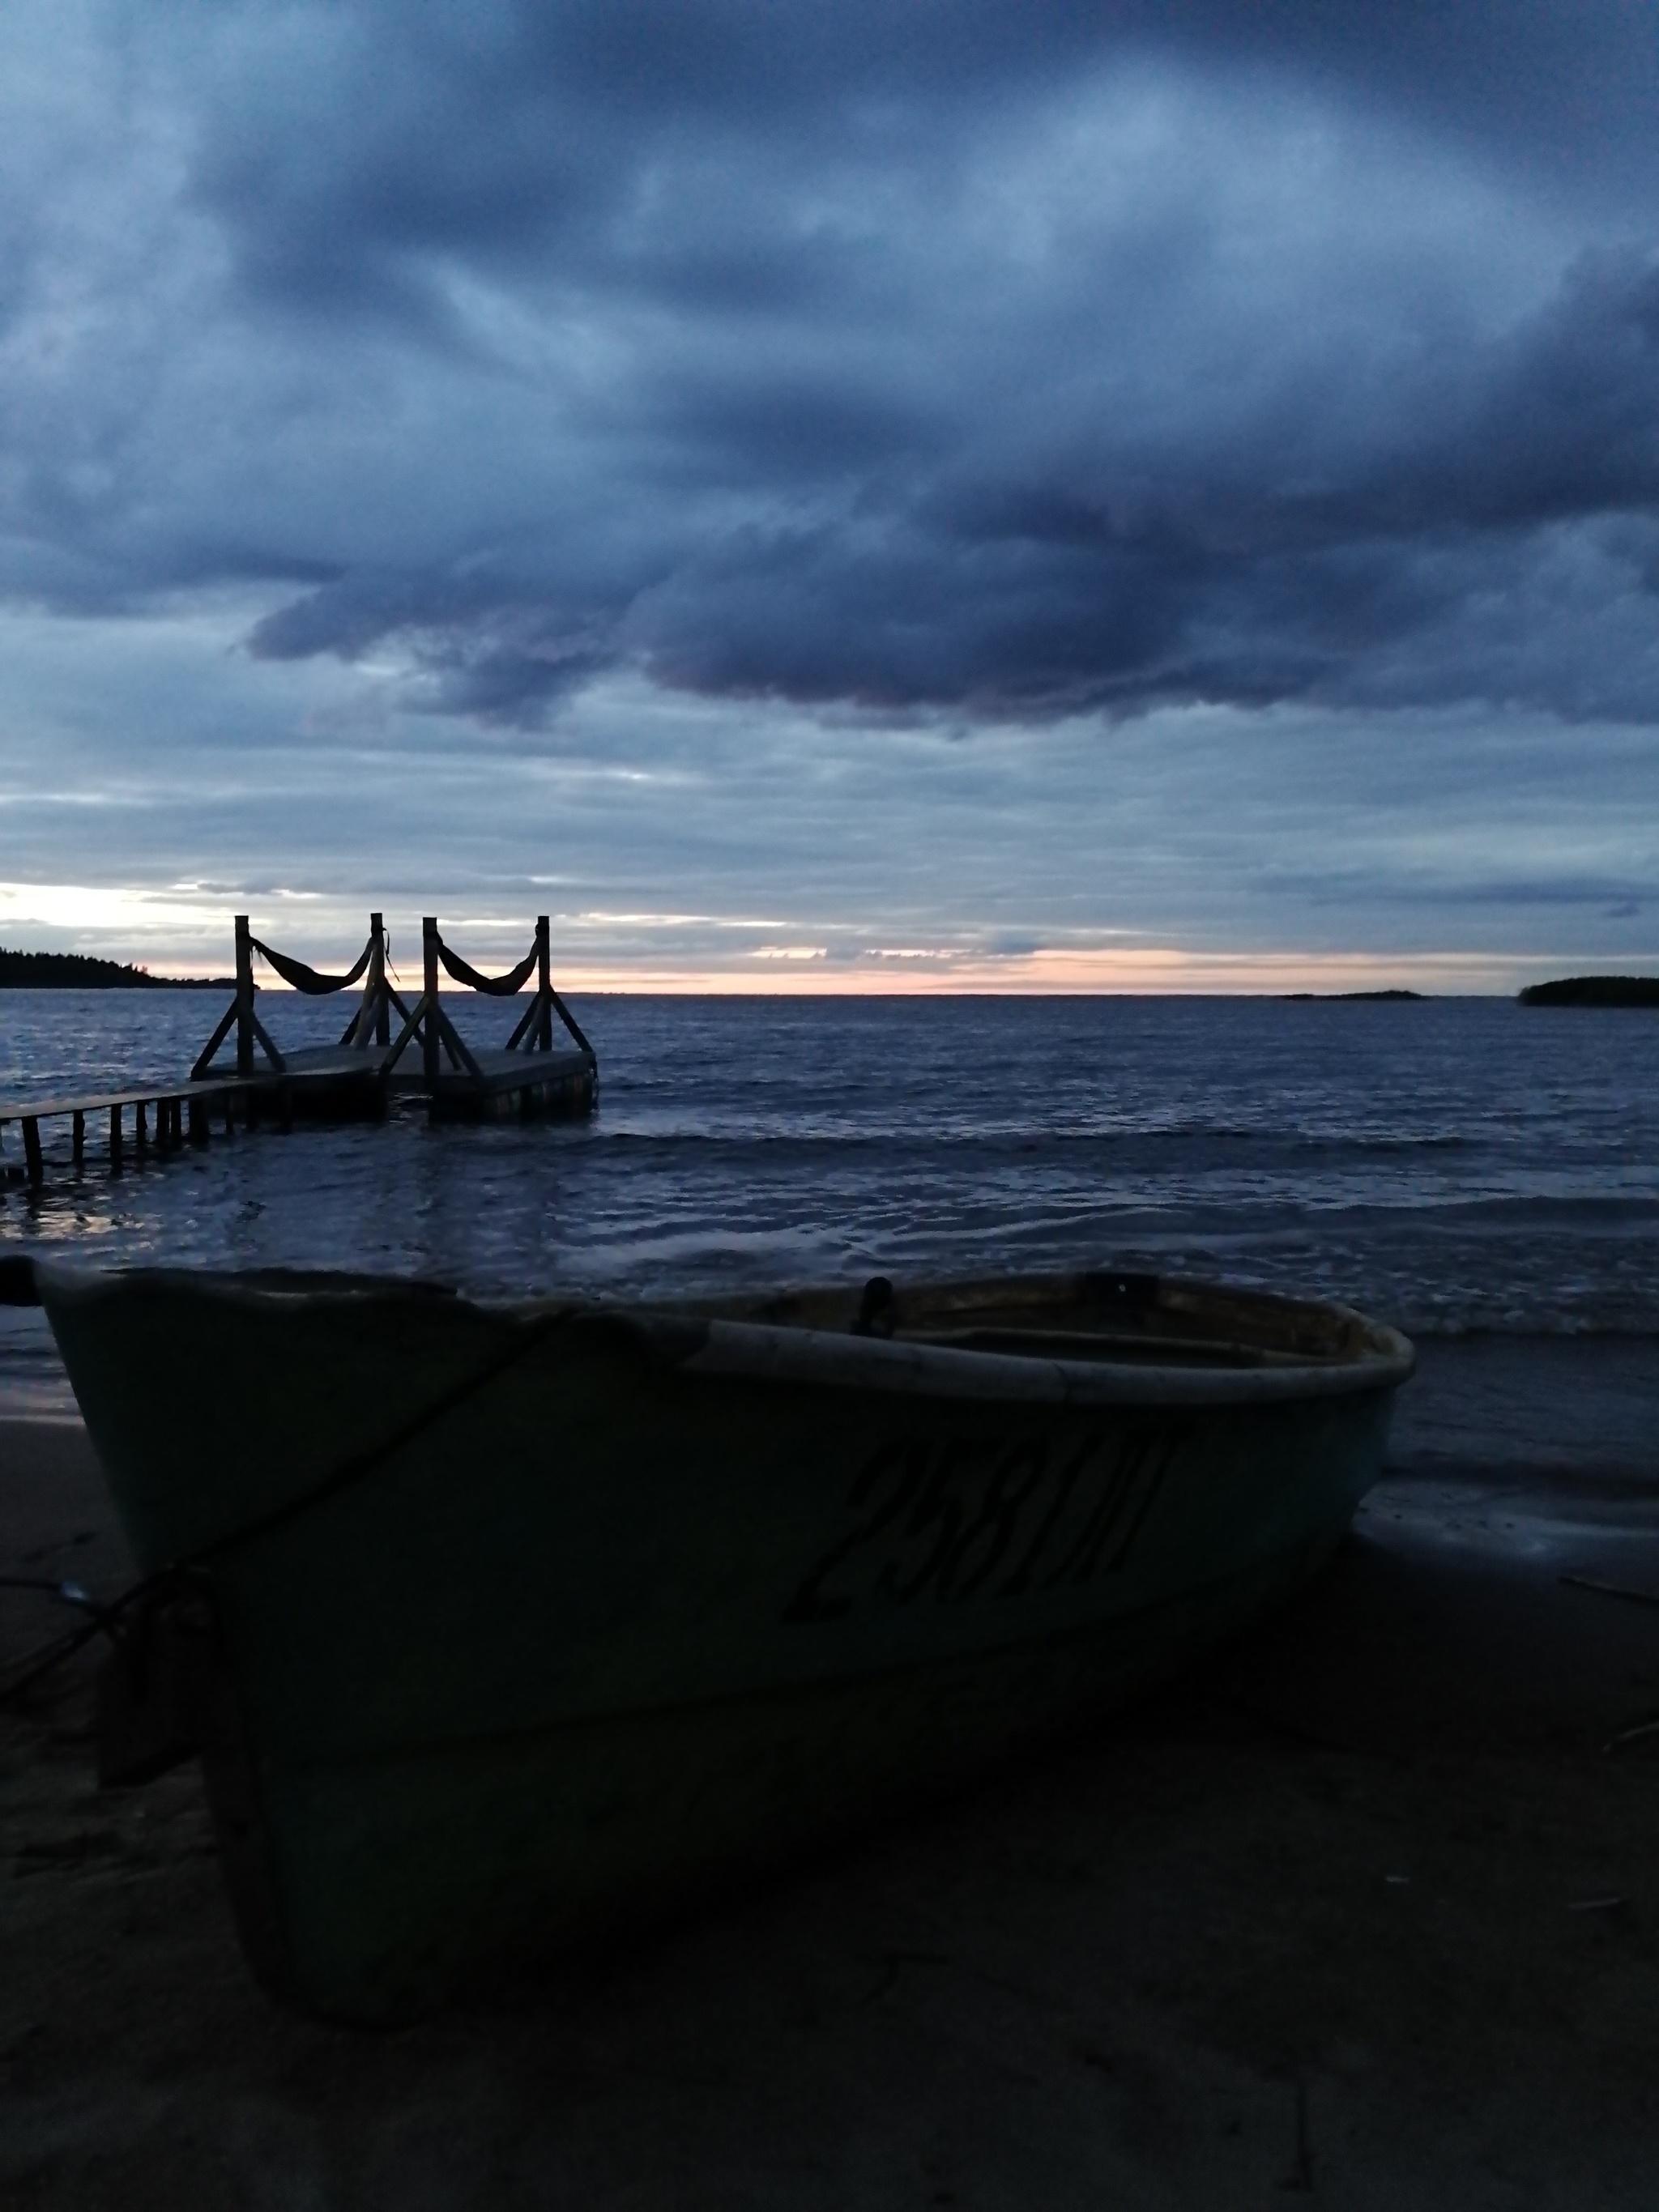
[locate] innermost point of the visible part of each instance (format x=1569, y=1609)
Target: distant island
x=80, y=971
x=1353, y=995
x=1594, y=991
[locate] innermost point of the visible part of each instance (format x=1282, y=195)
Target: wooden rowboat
x=498, y=1627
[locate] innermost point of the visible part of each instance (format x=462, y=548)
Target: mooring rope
x=100, y=1621
x=106, y=1618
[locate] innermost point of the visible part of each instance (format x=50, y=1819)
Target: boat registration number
x=956, y=1517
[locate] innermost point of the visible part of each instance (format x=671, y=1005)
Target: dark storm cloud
x=992, y=361
x=1489, y=530
x=347, y=134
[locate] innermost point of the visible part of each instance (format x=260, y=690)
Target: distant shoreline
x=1305, y=997
x=1594, y=991
x=81, y=972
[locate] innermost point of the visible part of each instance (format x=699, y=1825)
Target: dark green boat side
x=499, y=1628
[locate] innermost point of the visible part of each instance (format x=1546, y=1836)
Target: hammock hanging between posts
x=310, y=981
x=496, y=987
x=368, y=1031
x=302, y=978
x=535, y=1025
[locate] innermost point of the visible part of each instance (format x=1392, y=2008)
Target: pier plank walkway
x=184, y=1111
x=28, y=1109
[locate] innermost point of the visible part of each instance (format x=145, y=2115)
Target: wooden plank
x=538, y=1081
x=535, y=1008
x=330, y=1068
x=371, y=1023
x=458, y=1050
x=204, y=1058
x=278, y=1064
x=570, y=1023
x=359, y=1031
x=501, y=1069
x=46, y=1109
x=382, y=1012
x=430, y=1035
x=412, y=1019
x=244, y=997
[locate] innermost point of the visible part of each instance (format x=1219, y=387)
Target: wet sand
x=1366, y=1910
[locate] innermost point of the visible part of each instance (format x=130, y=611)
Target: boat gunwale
x=715, y=1344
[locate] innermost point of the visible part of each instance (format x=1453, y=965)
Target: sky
x=878, y=496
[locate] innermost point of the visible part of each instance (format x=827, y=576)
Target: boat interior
x=1152, y=1320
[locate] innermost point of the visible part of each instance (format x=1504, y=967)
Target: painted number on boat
x=962, y=1516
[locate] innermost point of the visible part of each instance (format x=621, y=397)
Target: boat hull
x=525, y=1629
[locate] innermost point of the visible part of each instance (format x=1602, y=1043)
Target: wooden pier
x=356, y=1080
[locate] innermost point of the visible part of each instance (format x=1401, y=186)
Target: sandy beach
x=1366, y=1910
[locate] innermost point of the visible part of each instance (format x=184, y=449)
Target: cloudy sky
x=893, y=493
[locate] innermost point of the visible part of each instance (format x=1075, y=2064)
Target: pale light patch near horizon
x=108, y=910
x=173, y=930
x=1150, y=971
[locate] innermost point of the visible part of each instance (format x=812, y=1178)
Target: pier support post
x=377, y=979
x=430, y=1038
x=32, y=1149
x=244, y=998
x=198, y=1121
x=544, y=983
x=115, y=1137
x=78, y=1135
x=371, y=1018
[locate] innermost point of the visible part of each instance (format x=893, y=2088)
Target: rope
x=497, y=986
x=41, y=1662
x=66, y=1593
x=34, y=1664
x=365, y=1462
x=314, y=986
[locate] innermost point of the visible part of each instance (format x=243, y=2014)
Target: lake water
x=1456, y=1166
